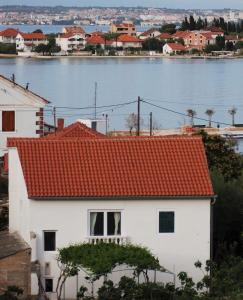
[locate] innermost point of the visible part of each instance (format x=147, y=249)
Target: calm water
x=174, y=84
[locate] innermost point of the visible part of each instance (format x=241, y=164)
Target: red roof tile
x=75, y=130
x=137, y=167
x=74, y=29
x=95, y=39
x=165, y=36
x=176, y=46
x=180, y=34
x=33, y=36
x=126, y=38
x=9, y=32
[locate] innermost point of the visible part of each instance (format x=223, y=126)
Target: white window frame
x=105, y=211
x=43, y=241
x=157, y=222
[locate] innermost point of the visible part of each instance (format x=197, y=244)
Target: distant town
x=35, y=15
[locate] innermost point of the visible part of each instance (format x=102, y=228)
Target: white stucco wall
x=176, y=251
x=25, y=105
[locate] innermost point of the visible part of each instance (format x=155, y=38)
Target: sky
x=200, y=4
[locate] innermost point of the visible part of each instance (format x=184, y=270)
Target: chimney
x=60, y=124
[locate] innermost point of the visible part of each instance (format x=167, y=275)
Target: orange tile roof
x=176, y=46
x=165, y=36
x=180, y=34
x=126, y=38
x=75, y=130
x=32, y=36
x=74, y=29
x=9, y=32
x=110, y=168
x=95, y=39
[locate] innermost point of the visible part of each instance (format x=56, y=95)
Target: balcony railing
x=120, y=240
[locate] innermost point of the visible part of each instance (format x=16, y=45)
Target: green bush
x=7, y=48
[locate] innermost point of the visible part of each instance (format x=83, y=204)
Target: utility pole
x=95, y=100
x=151, y=124
x=54, y=118
x=138, y=125
x=106, y=124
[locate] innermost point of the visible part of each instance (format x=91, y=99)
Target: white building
x=173, y=48
x=26, y=42
x=70, y=42
x=8, y=36
x=154, y=192
x=21, y=112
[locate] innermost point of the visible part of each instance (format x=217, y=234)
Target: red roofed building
x=173, y=48
x=75, y=130
x=71, y=42
x=123, y=28
x=73, y=30
x=149, y=34
x=199, y=39
x=95, y=40
x=127, y=41
x=155, y=192
x=8, y=36
x=165, y=36
x=27, y=41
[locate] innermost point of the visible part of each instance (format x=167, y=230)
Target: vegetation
x=100, y=259
x=168, y=28
x=49, y=49
x=153, y=44
x=7, y=48
x=12, y=293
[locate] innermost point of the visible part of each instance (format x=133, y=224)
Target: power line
x=97, y=107
x=183, y=114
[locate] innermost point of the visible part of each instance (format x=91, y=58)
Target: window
x=166, y=221
x=94, y=125
x=105, y=223
x=49, y=285
x=49, y=241
x=8, y=121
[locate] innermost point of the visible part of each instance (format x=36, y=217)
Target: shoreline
x=118, y=57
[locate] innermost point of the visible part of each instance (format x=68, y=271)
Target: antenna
x=13, y=78
x=95, y=100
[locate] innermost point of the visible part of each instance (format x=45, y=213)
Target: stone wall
x=15, y=270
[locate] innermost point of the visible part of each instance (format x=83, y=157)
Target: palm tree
x=191, y=114
x=232, y=112
x=209, y=112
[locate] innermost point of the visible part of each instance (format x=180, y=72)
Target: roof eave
x=62, y=198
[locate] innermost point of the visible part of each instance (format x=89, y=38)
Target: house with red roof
x=149, y=34
x=71, y=42
x=165, y=36
x=26, y=42
x=8, y=36
x=127, y=41
x=125, y=27
x=173, y=48
x=151, y=191
x=73, y=30
x=21, y=112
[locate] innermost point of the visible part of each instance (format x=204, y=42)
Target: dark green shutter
x=166, y=221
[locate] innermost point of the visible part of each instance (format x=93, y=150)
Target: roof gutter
x=64, y=198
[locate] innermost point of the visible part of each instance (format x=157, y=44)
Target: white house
x=127, y=41
x=8, y=36
x=27, y=41
x=154, y=192
x=149, y=34
x=21, y=112
x=70, y=42
x=173, y=48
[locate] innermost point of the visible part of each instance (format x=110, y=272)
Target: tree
x=168, y=28
x=153, y=44
x=132, y=122
x=210, y=48
x=52, y=46
x=232, y=112
x=41, y=48
x=220, y=42
x=38, y=31
x=185, y=24
x=191, y=114
x=98, y=260
x=209, y=113
x=192, y=23
x=229, y=46
x=221, y=156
